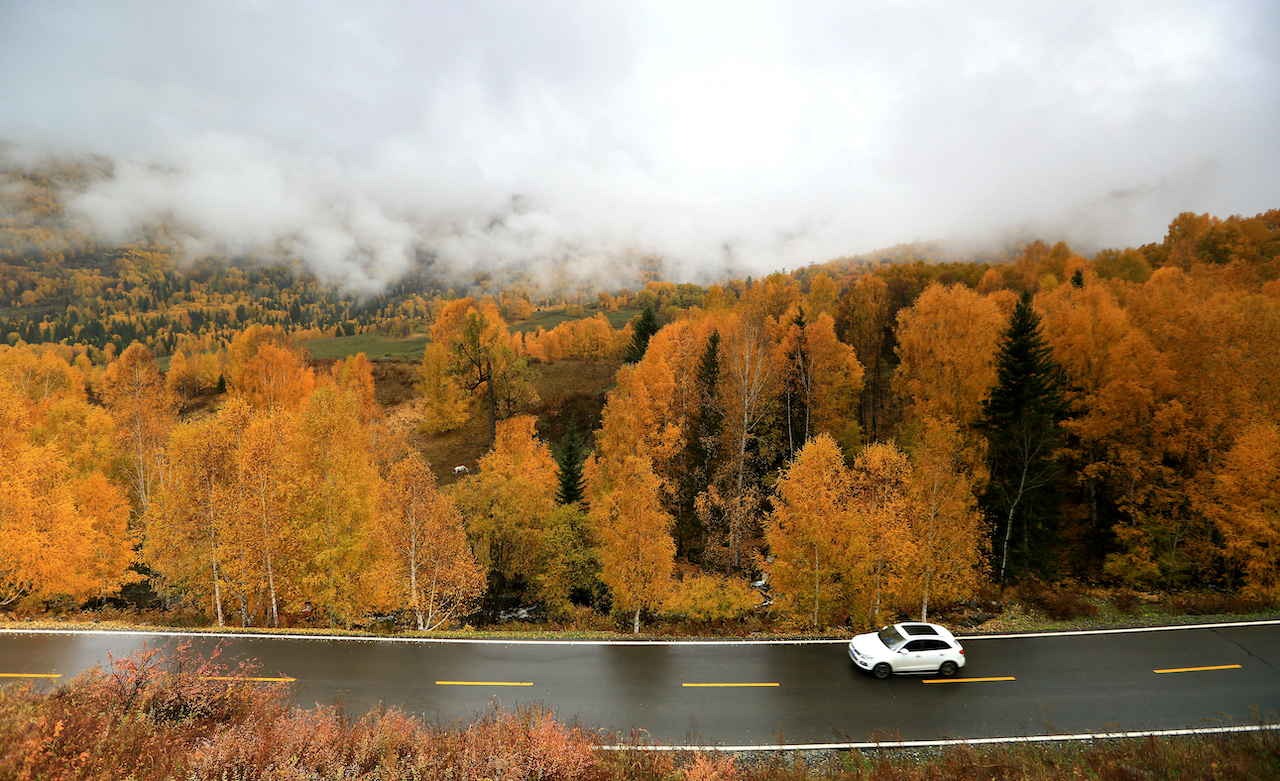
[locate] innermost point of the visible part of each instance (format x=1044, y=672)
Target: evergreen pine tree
x=1020, y=421
x=702, y=450
x=569, y=458
x=644, y=328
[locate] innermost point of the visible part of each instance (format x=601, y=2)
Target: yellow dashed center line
x=1198, y=669
x=483, y=683
x=726, y=685
x=238, y=678
x=967, y=680
x=30, y=675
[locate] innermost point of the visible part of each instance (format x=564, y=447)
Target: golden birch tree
x=444, y=405
x=144, y=411
x=947, y=535
x=749, y=375
x=109, y=548
x=188, y=518
x=817, y=571
x=947, y=345
x=339, y=485
x=1246, y=509
x=48, y=543
x=880, y=510
x=428, y=558
x=268, y=369
x=354, y=374
x=480, y=357
x=837, y=379
x=633, y=533
x=266, y=522
x=506, y=502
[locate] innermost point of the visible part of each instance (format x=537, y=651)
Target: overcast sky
x=761, y=135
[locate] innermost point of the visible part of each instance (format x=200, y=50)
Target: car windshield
x=890, y=637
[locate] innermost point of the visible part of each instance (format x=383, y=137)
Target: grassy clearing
x=155, y=717
x=548, y=319
x=567, y=390
x=377, y=346
x=374, y=345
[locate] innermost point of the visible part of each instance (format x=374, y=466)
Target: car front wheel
x=947, y=669
x=882, y=671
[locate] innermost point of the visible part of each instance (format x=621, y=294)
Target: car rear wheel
x=882, y=671
x=947, y=669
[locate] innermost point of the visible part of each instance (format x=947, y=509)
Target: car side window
x=937, y=645
x=917, y=645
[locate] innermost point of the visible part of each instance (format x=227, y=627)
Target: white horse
x=460, y=470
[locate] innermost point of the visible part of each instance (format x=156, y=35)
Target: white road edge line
x=514, y=641
x=1158, y=733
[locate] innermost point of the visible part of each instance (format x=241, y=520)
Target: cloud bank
x=580, y=136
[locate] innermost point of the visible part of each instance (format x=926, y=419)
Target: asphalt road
x=754, y=693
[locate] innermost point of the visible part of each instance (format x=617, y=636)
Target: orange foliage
x=506, y=504
x=62, y=533
x=946, y=343
x=428, y=564
x=355, y=375
x=143, y=409
x=633, y=532
x=1246, y=509
x=265, y=367
x=812, y=537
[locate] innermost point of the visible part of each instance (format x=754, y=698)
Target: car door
x=934, y=654
x=915, y=657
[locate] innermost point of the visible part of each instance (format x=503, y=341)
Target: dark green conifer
x=1020, y=421
x=644, y=328
x=570, y=456
x=702, y=453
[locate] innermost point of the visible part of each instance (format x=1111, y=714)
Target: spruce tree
x=702, y=451
x=644, y=328
x=569, y=458
x=1020, y=421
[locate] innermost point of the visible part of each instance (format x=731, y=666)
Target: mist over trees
x=872, y=438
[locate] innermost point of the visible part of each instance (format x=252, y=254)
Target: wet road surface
x=751, y=693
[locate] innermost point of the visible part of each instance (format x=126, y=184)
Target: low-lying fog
x=747, y=137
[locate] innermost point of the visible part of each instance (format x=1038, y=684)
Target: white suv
x=908, y=648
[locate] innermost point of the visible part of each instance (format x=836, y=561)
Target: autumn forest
x=832, y=446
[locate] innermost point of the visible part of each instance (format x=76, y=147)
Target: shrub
x=1055, y=602
x=1215, y=603
x=1127, y=602
x=324, y=743
x=134, y=720
x=710, y=598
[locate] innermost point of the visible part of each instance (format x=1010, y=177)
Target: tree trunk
x=924, y=602
x=492, y=394
x=217, y=593
x=271, y=573
x=271, y=584
x=635, y=623
x=1008, y=529
x=815, y=586
x=213, y=557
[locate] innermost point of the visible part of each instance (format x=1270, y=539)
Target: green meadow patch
x=374, y=345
